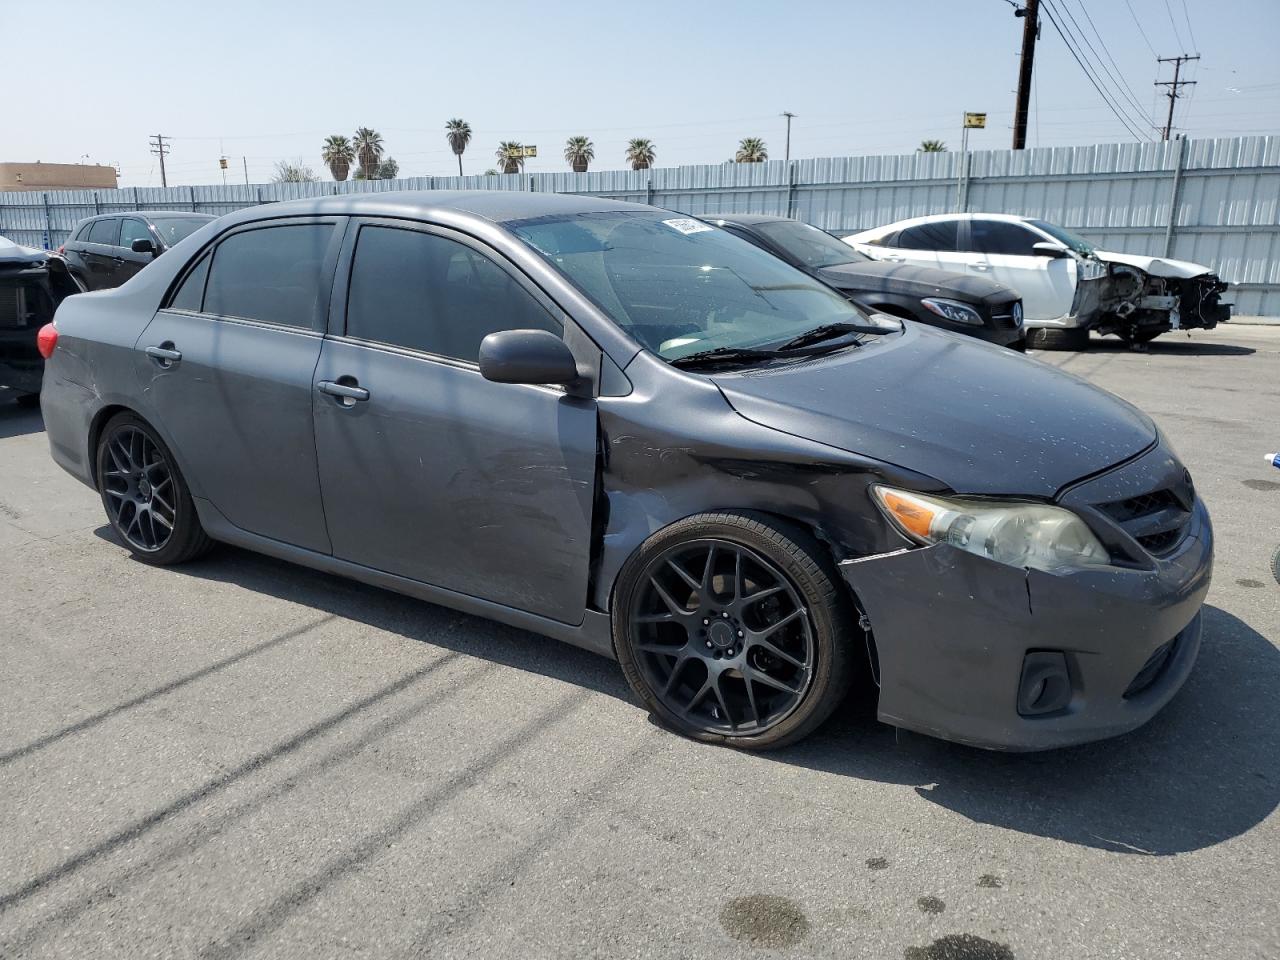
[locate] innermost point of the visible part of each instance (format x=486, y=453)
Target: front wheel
x=1057, y=338
x=730, y=628
x=146, y=499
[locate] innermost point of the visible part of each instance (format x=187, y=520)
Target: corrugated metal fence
x=1215, y=202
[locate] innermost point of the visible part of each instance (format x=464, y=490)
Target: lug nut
x=706, y=622
x=740, y=634
x=708, y=644
x=725, y=614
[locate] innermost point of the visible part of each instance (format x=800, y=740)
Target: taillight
x=46, y=340
x=62, y=249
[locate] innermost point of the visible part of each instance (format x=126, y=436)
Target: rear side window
x=940, y=236
x=131, y=230
x=273, y=274
x=1000, y=237
x=83, y=233
x=426, y=292
x=190, y=294
x=104, y=231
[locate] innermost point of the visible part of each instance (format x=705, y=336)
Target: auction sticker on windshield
x=688, y=225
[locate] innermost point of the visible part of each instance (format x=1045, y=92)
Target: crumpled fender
x=1156, y=266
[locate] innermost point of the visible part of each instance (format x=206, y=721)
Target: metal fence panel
x=1226, y=213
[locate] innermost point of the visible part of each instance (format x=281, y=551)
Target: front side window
x=1074, y=241
x=105, y=231
x=939, y=236
x=426, y=292
x=680, y=286
x=1001, y=238
x=273, y=274
x=131, y=230
x=808, y=245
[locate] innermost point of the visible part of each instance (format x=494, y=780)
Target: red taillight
x=46, y=340
x=62, y=249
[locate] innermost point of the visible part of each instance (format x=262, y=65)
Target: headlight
x=953, y=310
x=1019, y=534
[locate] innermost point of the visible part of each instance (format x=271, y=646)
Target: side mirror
x=526, y=356
x=1047, y=249
x=143, y=245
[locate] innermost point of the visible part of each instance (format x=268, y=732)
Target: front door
x=131, y=229
x=1004, y=252
x=229, y=364
x=429, y=471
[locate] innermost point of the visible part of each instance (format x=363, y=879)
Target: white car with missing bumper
x=1068, y=286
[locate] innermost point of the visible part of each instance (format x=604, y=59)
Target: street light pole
x=789, y=115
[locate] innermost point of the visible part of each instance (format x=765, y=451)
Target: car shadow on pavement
x=1171, y=344
x=17, y=419
x=1206, y=769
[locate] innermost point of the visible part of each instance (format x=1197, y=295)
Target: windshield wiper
x=708, y=358
x=828, y=331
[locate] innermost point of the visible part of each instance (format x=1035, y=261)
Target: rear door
x=923, y=245
x=430, y=471
x=131, y=229
x=229, y=363
x=1003, y=250
x=99, y=253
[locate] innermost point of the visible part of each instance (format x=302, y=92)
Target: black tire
x=146, y=499
x=28, y=400
x=1053, y=338
x=811, y=628
x=1275, y=565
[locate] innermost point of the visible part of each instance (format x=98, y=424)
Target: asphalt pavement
x=240, y=758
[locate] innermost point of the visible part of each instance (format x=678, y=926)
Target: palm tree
x=641, y=153
x=337, y=155
x=458, y=133
x=510, y=154
x=579, y=151
x=932, y=146
x=751, y=150
x=368, y=146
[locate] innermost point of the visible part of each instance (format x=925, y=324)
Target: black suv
x=105, y=251
x=975, y=306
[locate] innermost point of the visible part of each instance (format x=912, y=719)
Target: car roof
x=745, y=219
x=495, y=206
x=150, y=215
x=936, y=218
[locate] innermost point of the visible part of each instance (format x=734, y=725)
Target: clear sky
x=268, y=80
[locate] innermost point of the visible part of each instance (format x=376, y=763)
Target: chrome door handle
x=165, y=355
x=342, y=391
x=980, y=266
x=894, y=258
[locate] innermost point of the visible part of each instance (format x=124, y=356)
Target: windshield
x=173, y=229
x=680, y=286
x=809, y=245
x=1074, y=243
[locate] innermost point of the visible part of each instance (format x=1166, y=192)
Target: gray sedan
x=632, y=431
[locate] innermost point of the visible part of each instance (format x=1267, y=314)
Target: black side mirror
x=526, y=356
x=1046, y=249
x=143, y=245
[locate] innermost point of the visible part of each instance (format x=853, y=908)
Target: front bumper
x=952, y=631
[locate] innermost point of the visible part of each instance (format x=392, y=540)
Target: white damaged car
x=1068, y=286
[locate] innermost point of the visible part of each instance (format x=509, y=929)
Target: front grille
x=11, y=309
x=1152, y=669
x=1157, y=520
x=1007, y=315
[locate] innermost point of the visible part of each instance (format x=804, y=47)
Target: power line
x=1177, y=36
x=1118, y=76
x=1138, y=23
x=1089, y=73
x=1173, y=86
x=1190, y=32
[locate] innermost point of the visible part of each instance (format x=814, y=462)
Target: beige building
x=56, y=176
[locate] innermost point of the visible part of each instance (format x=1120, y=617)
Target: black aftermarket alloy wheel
x=730, y=628
x=145, y=497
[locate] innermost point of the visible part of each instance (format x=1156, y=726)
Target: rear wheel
x=1057, y=338
x=146, y=499
x=731, y=630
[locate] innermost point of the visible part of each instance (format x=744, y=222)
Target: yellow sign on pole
x=978, y=120
x=528, y=151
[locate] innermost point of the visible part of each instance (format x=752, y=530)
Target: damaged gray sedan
x=632, y=431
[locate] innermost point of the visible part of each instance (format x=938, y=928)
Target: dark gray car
x=634, y=432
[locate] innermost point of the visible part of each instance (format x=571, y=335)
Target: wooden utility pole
x=1030, y=32
x=1173, y=86
x=160, y=148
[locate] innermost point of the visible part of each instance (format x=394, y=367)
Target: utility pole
x=789, y=115
x=160, y=148
x=1030, y=33
x=1173, y=86
x=245, y=161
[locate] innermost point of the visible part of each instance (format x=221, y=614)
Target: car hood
x=1156, y=266
x=885, y=277
x=981, y=419
x=15, y=253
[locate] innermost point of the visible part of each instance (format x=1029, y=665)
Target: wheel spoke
x=751, y=699
x=709, y=570
x=676, y=608
x=159, y=518
x=675, y=675
x=162, y=501
x=701, y=695
x=779, y=653
x=773, y=628
x=693, y=584
x=761, y=594
x=753, y=674
x=724, y=705
x=737, y=575
x=655, y=618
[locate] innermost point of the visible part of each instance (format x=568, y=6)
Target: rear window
x=273, y=274
x=940, y=236
x=104, y=231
